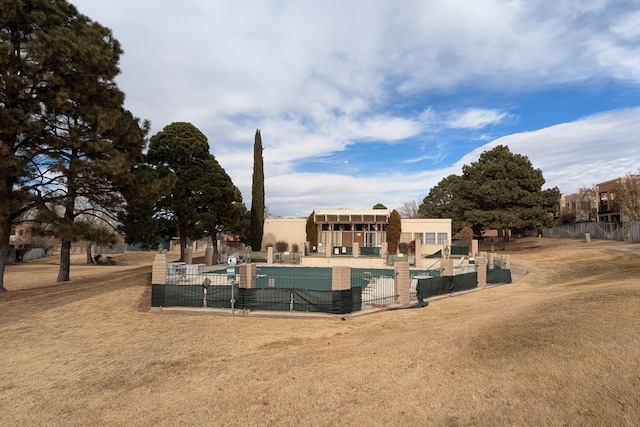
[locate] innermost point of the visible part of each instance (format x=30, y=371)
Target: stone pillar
x=481, y=269
x=270, y=255
x=188, y=255
x=384, y=249
x=506, y=262
x=447, y=267
x=247, y=277
x=418, y=253
x=492, y=260
x=356, y=249
x=159, y=270
x=327, y=249
x=403, y=287
x=208, y=256
x=340, y=278
x=474, y=248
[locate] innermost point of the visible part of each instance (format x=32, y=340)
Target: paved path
x=633, y=248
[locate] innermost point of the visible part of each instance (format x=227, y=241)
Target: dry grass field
x=559, y=346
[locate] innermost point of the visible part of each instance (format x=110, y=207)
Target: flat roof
x=352, y=216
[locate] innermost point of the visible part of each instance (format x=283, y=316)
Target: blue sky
x=364, y=102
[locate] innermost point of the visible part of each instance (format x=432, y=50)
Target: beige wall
x=290, y=230
x=293, y=231
x=411, y=228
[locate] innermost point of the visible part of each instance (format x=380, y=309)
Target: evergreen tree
x=311, y=229
x=500, y=191
x=225, y=212
x=65, y=136
x=202, y=197
x=257, y=195
x=445, y=200
x=504, y=191
x=137, y=221
x=394, y=230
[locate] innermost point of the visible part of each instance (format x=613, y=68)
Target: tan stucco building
x=341, y=231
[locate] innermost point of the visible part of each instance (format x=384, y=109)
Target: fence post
x=492, y=260
x=402, y=282
x=481, y=269
x=505, y=262
x=447, y=267
x=474, y=248
x=384, y=249
x=418, y=253
x=208, y=256
x=355, y=249
x=159, y=270
x=270, y=255
x=247, y=276
x=340, y=278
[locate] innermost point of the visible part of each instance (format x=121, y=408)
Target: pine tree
x=65, y=136
x=202, y=196
x=257, y=195
x=500, y=191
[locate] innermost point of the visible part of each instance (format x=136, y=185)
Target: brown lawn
x=559, y=346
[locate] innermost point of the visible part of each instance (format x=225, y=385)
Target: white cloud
x=475, y=118
x=571, y=155
x=319, y=77
x=590, y=150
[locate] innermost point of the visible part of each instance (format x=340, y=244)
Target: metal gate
x=378, y=285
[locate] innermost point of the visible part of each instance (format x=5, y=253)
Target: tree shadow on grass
x=23, y=303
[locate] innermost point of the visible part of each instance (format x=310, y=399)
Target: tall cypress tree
x=257, y=195
x=394, y=230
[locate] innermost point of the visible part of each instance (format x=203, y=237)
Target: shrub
x=403, y=248
x=281, y=246
x=295, y=248
x=466, y=235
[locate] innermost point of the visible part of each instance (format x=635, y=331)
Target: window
x=430, y=238
x=442, y=237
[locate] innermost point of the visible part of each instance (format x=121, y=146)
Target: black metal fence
x=460, y=250
x=434, y=286
x=378, y=285
x=272, y=299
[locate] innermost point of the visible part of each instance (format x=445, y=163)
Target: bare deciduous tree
x=410, y=209
x=465, y=235
x=629, y=196
x=586, y=204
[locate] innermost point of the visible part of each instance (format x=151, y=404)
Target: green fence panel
x=183, y=296
x=498, y=276
x=312, y=278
